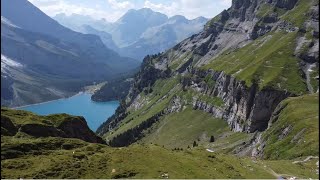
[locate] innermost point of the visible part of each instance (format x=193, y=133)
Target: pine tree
x=212, y=139
x=194, y=144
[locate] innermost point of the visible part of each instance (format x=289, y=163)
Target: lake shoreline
x=90, y=89
x=95, y=113
x=79, y=93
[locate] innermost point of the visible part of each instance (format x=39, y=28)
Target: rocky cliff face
x=247, y=108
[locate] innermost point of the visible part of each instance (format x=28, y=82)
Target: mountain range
x=138, y=32
x=44, y=60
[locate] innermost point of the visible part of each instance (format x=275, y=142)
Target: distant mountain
x=133, y=24
x=76, y=22
x=160, y=38
x=105, y=37
x=42, y=60
x=88, y=25
x=138, y=32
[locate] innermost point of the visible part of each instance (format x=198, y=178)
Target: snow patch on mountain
x=7, y=63
x=7, y=22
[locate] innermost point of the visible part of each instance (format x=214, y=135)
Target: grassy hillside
x=148, y=104
x=271, y=60
x=181, y=129
x=72, y=158
x=268, y=61
x=21, y=117
x=295, y=132
x=24, y=155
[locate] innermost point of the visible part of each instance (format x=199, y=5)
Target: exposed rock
x=78, y=128
x=284, y=3
x=298, y=136
x=7, y=127
x=258, y=145
x=285, y=132
x=176, y=105
x=246, y=109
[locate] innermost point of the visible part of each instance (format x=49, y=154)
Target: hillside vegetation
x=26, y=156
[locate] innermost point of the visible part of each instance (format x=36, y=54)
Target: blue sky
x=112, y=10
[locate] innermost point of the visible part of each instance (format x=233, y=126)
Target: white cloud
x=166, y=9
x=226, y=2
x=120, y=5
x=53, y=7
x=112, y=10
x=190, y=8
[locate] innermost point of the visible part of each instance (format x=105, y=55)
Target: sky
x=112, y=10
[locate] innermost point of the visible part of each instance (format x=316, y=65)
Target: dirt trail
x=307, y=72
x=305, y=160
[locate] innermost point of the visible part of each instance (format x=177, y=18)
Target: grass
x=228, y=141
x=181, y=129
x=298, y=15
x=24, y=156
x=269, y=61
x=158, y=100
x=288, y=169
x=21, y=117
x=190, y=94
x=213, y=20
x=264, y=9
x=47, y=159
x=174, y=65
x=302, y=114
x=164, y=90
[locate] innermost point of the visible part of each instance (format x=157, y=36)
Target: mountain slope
x=27, y=152
x=293, y=127
x=131, y=25
x=159, y=38
x=88, y=25
x=106, y=38
x=54, y=62
x=239, y=68
x=45, y=25
x=76, y=21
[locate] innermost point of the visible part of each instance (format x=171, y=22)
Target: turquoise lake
x=95, y=113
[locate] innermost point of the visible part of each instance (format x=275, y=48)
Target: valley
x=238, y=99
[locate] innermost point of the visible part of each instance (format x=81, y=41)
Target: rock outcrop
x=245, y=109
x=7, y=127
x=69, y=127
